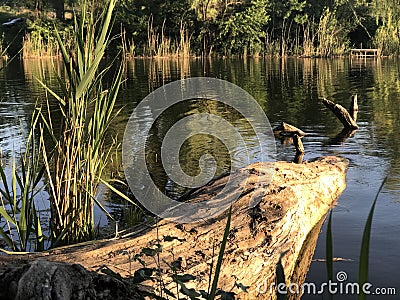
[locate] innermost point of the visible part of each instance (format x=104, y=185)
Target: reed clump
x=76, y=164
x=40, y=40
x=332, y=36
x=160, y=45
x=20, y=220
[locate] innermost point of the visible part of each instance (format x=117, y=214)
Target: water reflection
x=288, y=90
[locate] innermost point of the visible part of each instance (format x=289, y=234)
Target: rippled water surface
x=288, y=90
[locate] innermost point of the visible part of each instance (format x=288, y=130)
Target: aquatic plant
x=40, y=40
x=19, y=218
x=364, y=252
x=80, y=157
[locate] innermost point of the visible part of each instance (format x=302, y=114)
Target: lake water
x=288, y=90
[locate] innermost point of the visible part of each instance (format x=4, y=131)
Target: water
x=288, y=90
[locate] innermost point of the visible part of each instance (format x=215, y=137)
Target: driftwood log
x=287, y=220
x=298, y=144
x=285, y=129
x=289, y=134
x=341, y=113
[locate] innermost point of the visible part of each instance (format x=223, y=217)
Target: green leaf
x=118, y=192
x=6, y=216
x=220, y=256
x=183, y=278
x=189, y=292
x=88, y=77
x=105, y=26
x=4, y=179
x=280, y=277
x=142, y=274
x=226, y=295
x=168, y=238
x=137, y=257
x=7, y=239
x=329, y=251
x=364, y=253
x=54, y=94
x=14, y=186
x=39, y=233
x=151, y=251
x=169, y=293
x=242, y=287
x=106, y=270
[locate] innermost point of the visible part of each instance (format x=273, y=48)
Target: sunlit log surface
x=285, y=129
x=296, y=201
x=342, y=114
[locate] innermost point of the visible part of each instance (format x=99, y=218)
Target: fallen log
x=341, y=113
x=298, y=144
x=298, y=158
x=296, y=200
x=285, y=129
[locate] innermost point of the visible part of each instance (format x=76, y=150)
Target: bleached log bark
x=296, y=200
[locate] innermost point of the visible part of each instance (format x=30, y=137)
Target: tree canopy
x=249, y=27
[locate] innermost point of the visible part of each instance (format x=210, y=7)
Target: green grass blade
x=364, y=253
x=220, y=256
x=6, y=238
x=54, y=94
x=62, y=86
x=5, y=184
x=329, y=251
x=109, y=186
x=6, y=216
x=105, y=26
x=39, y=176
x=103, y=209
x=38, y=229
x=6, y=196
x=280, y=278
x=14, y=187
x=88, y=77
x=64, y=53
x=64, y=232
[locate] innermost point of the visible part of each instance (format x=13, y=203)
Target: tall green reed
x=329, y=251
x=213, y=292
x=161, y=45
x=40, y=41
x=21, y=226
x=80, y=155
x=364, y=251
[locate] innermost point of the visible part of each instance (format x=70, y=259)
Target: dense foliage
x=241, y=27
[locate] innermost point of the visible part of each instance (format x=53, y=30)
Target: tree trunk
x=290, y=207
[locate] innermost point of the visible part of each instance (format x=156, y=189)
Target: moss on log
x=296, y=201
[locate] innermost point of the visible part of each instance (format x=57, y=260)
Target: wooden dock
x=365, y=52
